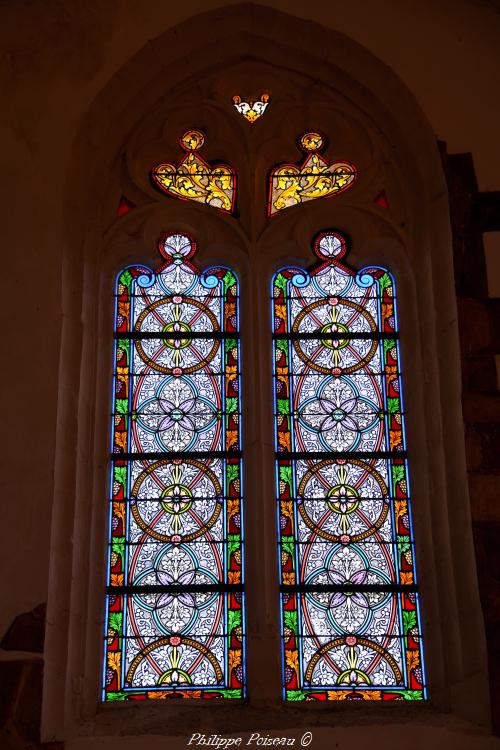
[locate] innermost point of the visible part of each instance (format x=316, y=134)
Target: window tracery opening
x=175, y=608
x=349, y=600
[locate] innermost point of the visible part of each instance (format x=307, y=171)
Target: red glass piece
x=124, y=206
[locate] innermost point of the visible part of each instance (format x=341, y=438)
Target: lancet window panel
x=349, y=599
x=175, y=603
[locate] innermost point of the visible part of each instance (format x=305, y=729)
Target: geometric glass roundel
x=349, y=599
x=174, y=619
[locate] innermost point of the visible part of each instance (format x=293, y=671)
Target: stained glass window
x=349, y=600
x=291, y=184
x=253, y=109
x=174, y=611
x=194, y=179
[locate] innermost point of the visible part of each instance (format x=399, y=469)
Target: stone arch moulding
x=317, y=75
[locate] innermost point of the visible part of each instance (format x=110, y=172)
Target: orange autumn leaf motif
x=394, y=439
x=280, y=312
x=337, y=695
x=371, y=695
x=122, y=373
x=231, y=438
x=119, y=510
x=233, y=506
x=234, y=576
x=284, y=439
x=288, y=577
x=367, y=695
x=401, y=507
x=412, y=659
x=123, y=309
x=114, y=660
x=292, y=659
x=165, y=695
x=234, y=658
x=121, y=440
x=117, y=579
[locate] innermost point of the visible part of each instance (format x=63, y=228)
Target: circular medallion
x=173, y=344
x=176, y=499
x=361, y=351
x=342, y=498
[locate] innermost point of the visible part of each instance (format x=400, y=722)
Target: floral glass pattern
x=193, y=179
x=291, y=184
x=349, y=600
x=174, y=624
x=251, y=110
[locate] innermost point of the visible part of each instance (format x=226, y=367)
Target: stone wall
x=472, y=213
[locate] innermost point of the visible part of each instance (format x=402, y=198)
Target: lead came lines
x=349, y=606
x=176, y=437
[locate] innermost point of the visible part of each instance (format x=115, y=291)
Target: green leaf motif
x=384, y=282
x=290, y=618
x=115, y=621
x=121, y=475
x=231, y=693
x=283, y=406
x=409, y=620
x=232, y=472
x=388, y=345
x=126, y=278
x=398, y=473
x=412, y=695
x=118, y=546
x=403, y=544
x=233, y=619
x=233, y=544
x=229, y=280
x=116, y=696
x=392, y=405
x=288, y=544
x=286, y=475
x=231, y=404
x=280, y=282
x=121, y=406
x=295, y=695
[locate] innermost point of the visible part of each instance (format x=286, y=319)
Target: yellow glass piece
x=193, y=140
x=251, y=110
x=311, y=141
x=292, y=184
x=193, y=179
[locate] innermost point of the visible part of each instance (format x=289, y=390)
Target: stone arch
x=119, y=132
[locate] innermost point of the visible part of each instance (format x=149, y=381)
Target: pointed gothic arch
x=316, y=74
